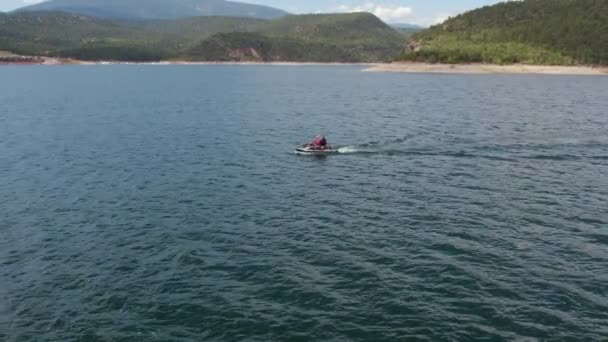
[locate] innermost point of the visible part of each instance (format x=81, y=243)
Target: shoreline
x=429, y=68
x=395, y=67
x=31, y=60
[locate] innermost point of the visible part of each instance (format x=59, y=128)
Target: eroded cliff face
x=243, y=54
x=412, y=45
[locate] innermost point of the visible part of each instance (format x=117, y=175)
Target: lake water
x=165, y=203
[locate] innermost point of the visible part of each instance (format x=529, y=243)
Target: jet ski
x=309, y=150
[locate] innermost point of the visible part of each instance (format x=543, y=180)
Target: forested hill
x=355, y=37
x=529, y=31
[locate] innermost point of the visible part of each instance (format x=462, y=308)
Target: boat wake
x=481, y=151
x=348, y=149
x=373, y=148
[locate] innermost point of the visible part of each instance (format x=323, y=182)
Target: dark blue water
x=152, y=203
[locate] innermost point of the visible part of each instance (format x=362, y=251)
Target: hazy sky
x=423, y=12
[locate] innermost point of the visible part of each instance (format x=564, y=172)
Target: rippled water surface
x=165, y=203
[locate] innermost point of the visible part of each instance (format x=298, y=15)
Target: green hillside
x=256, y=47
x=48, y=33
x=71, y=35
x=358, y=37
x=529, y=31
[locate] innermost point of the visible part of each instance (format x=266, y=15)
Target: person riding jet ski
x=319, y=143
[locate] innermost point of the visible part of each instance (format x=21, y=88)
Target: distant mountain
x=407, y=26
x=530, y=32
x=407, y=29
x=356, y=37
x=157, y=9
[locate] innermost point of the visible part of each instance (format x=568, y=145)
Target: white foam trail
x=348, y=149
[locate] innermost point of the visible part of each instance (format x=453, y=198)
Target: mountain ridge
x=156, y=9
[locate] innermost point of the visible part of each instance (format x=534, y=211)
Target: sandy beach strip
x=403, y=67
x=487, y=69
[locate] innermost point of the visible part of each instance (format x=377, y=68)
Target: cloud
x=9, y=5
x=388, y=13
x=439, y=18
x=430, y=19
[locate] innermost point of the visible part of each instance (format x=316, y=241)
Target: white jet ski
x=308, y=150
